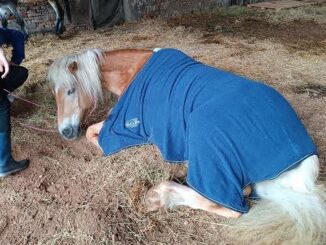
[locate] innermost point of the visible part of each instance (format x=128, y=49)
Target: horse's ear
x=73, y=67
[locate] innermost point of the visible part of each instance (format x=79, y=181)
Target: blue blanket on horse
x=231, y=130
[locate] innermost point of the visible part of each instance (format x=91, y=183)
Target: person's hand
x=4, y=66
x=92, y=133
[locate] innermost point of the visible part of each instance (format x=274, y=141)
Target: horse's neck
x=119, y=68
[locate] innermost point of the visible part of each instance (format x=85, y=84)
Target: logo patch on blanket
x=132, y=123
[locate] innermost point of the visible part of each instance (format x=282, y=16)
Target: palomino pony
x=240, y=138
x=7, y=6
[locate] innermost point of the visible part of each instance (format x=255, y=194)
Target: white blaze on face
x=69, y=112
x=69, y=122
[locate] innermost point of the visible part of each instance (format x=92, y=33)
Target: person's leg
x=16, y=77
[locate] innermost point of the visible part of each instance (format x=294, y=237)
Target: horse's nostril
x=67, y=132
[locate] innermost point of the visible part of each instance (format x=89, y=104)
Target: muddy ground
x=72, y=195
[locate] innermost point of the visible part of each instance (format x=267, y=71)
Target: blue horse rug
x=232, y=131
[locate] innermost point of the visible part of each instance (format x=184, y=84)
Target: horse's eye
x=71, y=91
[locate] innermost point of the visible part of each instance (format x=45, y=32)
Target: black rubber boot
x=7, y=164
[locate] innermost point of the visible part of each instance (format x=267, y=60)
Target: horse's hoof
x=59, y=31
x=26, y=36
x=152, y=199
x=160, y=195
x=179, y=171
x=247, y=191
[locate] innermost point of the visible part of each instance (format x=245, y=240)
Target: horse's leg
x=12, y=7
x=171, y=194
x=67, y=9
x=59, y=16
x=93, y=132
x=4, y=17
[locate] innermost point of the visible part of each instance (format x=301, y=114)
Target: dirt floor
x=72, y=195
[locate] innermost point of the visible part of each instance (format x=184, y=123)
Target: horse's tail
x=292, y=210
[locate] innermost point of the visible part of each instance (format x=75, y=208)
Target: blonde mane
x=87, y=77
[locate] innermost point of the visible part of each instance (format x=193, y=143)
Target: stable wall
x=137, y=9
x=38, y=16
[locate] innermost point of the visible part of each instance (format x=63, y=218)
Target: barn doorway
x=96, y=13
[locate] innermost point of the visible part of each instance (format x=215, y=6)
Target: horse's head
x=77, y=86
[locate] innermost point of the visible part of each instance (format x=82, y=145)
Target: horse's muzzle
x=71, y=132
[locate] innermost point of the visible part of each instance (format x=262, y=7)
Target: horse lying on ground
x=240, y=138
x=7, y=6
